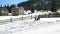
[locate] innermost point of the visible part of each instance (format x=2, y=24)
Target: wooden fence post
x=35, y=17
x=31, y=16
x=11, y=19
x=22, y=17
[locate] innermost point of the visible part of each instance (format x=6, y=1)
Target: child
x=38, y=17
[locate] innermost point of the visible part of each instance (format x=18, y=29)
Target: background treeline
x=35, y=4
x=8, y=7
x=52, y=5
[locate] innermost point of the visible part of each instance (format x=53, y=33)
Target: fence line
x=16, y=19
x=25, y=18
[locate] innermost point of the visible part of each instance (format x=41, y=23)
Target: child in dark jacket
x=38, y=17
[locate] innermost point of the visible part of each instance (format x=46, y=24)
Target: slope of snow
x=42, y=26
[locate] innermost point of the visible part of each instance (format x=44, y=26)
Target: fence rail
x=16, y=19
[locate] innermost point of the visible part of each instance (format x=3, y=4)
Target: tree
x=39, y=5
x=34, y=1
x=8, y=7
x=53, y=6
x=26, y=5
x=32, y=6
x=11, y=7
x=32, y=9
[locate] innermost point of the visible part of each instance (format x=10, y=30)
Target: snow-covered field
x=42, y=26
x=30, y=26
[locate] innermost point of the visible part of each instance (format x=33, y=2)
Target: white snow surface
x=42, y=26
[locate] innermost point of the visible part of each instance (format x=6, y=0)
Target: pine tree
x=53, y=6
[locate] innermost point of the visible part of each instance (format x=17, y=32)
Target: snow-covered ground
x=42, y=26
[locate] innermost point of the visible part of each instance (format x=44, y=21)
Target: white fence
x=24, y=18
x=17, y=19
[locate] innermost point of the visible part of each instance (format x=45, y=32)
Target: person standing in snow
x=38, y=17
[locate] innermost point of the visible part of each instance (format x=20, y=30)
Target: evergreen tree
x=53, y=6
x=10, y=8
